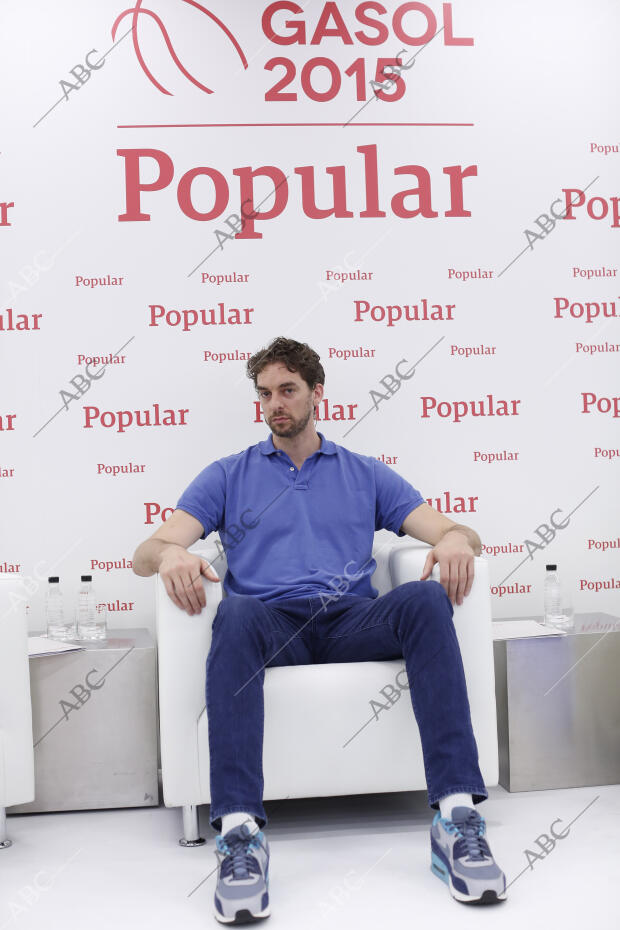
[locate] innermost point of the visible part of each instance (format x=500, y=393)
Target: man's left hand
x=456, y=565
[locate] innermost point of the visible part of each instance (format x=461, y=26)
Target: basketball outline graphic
x=138, y=8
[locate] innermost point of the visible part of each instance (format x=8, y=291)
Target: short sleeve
x=205, y=498
x=395, y=498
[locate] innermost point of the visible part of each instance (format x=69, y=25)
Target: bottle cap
x=53, y=579
x=551, y=568
x=86, y=577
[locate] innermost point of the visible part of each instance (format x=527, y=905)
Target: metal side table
x=94, y=723
x=558, y=706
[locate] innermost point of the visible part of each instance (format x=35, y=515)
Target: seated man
x=310, y=509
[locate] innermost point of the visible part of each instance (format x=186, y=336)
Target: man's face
x=283, y=393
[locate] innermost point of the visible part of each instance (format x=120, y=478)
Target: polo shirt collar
x=327, y=446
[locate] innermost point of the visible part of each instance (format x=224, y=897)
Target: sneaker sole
x=487, y=897
x=243, y=916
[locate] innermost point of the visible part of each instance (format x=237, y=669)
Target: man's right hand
x=182, y=573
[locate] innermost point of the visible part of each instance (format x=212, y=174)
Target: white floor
x=352, y=862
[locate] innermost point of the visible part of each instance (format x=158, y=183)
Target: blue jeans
x=413, y=621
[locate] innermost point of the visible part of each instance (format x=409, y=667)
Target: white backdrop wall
x=124, y=286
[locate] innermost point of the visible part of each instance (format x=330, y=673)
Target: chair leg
x=4, y=840
x=190, y=827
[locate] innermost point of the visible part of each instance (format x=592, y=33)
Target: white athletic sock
x=236, y=819
x=454, y=800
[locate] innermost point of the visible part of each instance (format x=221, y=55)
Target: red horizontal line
x=246, y=125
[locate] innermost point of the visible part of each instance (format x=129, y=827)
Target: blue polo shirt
x=290, y=532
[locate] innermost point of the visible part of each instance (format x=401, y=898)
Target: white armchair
x=333, y=700
x=16, y=749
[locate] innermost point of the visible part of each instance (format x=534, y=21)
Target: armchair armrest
x=16, y=750
x=183, y=643
x=407, y=563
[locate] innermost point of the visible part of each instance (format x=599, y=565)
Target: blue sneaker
x=241, y=893
x=460, y=857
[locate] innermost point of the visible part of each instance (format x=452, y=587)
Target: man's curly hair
x=297, y=356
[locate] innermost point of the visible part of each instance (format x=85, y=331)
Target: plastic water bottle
x=91, y=622
x=552, y=596
x=58, y=626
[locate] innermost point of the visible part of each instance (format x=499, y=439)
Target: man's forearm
x=148, y=555
x=472, y=537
